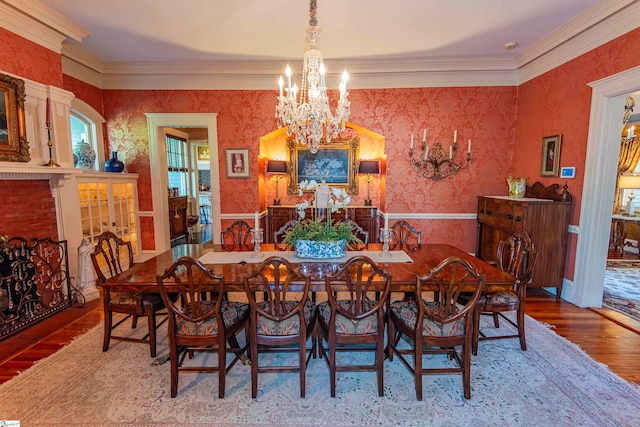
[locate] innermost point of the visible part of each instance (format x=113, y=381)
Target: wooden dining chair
x=283, y=230
x=354, y=323
x=236, y=235
x=112, y=256
x=200, y=319
x=359, y=232
x=282, y=320
x=403, y=233
x=516, y=255
x=438, y=326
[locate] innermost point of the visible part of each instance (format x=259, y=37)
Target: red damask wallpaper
x=26, y=59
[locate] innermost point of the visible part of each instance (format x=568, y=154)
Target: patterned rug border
x=616, y=294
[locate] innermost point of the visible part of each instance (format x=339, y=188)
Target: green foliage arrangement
x=320, y=231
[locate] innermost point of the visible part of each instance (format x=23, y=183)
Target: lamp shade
x=629, y=181
x=369, y=166
x=276, y=166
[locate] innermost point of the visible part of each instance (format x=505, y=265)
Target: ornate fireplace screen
x=34, y=282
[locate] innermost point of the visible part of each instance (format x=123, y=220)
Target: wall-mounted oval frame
x=14, y=146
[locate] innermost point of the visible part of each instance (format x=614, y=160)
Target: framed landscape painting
x=335, y=163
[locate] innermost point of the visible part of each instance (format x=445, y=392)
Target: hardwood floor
x=605, y=340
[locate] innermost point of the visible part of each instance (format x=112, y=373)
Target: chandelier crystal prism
x=309, y=118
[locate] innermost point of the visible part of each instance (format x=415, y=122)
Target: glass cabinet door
x=109, y=204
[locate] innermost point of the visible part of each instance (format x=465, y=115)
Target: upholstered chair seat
x=122, y=298
x=345, y=325
x=288, y=326
x=500, y=298
x=407, y=312
x=232, y=312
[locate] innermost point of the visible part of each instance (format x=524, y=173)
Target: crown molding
x=27, y=27
x=49, y=17
x=81, y=72
x=617, y=22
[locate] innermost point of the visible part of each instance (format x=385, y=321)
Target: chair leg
x=418, y=368
x=173, y=355
x=303, y=367
x=380, y=364
x=390, y=338
x=134, y=322
x=222, y=368
x=523, y=341
x=496, y=322
x=466, y=373
x=254, y=366
x=152, y=332
x=476, y=330
x=332, y=366
x=108, y=322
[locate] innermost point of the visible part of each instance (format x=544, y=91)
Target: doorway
x=158, y=163
x=603, y=146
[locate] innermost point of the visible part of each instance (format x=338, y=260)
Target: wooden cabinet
x=544, y=214
x=365, y=216
x=109, y=201
x=178, y=217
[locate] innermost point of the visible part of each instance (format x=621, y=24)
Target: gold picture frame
x=203, y=152
x=13, y=138
x=335, y=162
x=550, y=164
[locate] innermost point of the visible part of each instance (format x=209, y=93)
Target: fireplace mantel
x=31, y=172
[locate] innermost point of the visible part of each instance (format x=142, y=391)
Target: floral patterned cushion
x=231, y=312
x=368, y=325
x=500, y=298
x=290, y=326
x=407, y=311
x=120, y=298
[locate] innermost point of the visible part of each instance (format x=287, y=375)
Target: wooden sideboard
x=178, y=217
x=365, y=216
x=544, y=214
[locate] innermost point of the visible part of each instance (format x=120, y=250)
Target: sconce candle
x=411, y=146
x=424, y=136
x=455, y=136
x=469, y=148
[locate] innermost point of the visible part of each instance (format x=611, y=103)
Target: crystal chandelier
x=310, y=118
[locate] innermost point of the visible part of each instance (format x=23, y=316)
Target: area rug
x=553, y=383
x=622, y=287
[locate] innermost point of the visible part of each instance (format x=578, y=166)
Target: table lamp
x=368, y=167
x=277, y=168
x=629, y=182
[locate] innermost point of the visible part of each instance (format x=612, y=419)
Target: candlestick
x=48, y=115
x=257, y=221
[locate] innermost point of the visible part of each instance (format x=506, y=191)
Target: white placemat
x=223, y=257
x=376, y=256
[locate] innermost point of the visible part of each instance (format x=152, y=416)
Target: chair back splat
x=438, y=326
x=282, y=317
x=403, y=233
x=351, y=320
x=201, y=319
x=236, y=235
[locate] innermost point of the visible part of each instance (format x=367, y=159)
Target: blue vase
x=113, y=164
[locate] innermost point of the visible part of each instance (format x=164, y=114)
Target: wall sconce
x=368, y=167
x=279, y=169
x=433, y=162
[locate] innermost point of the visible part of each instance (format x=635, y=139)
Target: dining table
x=403, y=262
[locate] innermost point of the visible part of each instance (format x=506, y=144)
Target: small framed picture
x=550, y=155
x=203, y=152
x=237, y=160
x=568, y=172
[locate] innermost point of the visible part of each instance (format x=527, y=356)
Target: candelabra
x=256, y=239
x=433, y=162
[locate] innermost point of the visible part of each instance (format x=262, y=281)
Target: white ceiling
x=205, y=30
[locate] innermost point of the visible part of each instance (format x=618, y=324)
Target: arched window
x=86, y=126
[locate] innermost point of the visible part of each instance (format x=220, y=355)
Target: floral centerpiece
x=316, y=237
